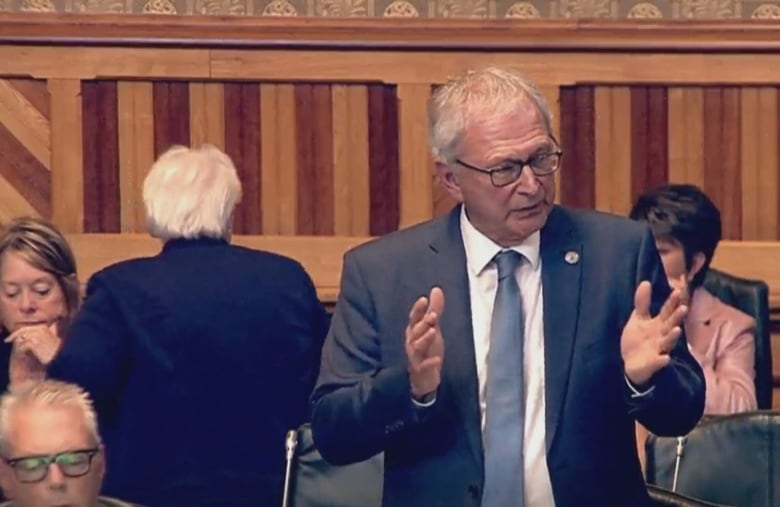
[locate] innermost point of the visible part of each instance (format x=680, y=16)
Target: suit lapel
x=562, y=259
x=447, y=269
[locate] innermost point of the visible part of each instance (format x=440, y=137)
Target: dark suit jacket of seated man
x=591, y=266
x=199, y=359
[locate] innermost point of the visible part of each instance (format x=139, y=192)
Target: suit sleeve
x=676, y=402
x=358, y=403
x=96, y=352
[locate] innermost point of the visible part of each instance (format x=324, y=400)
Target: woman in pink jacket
x=687, y=228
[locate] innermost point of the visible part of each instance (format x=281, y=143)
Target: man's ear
x=697, y=263
x=100, y=462
x=448, y=179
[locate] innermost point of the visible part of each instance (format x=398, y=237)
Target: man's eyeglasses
x=541, y=165
x=30, y=469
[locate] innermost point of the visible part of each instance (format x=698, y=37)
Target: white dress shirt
x=483, y=283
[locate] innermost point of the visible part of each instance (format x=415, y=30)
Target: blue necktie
x=505, y=412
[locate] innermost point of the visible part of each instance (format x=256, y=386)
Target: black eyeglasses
x=541, y=165
x=29, y=469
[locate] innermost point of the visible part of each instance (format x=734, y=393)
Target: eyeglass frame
x=522, y=163
x=51, y=459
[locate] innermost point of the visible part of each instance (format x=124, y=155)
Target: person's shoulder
x=400, y=242
x=105, y=501
x=589, y=219
x=724, y=311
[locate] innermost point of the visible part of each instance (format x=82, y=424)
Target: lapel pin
x=571, y=257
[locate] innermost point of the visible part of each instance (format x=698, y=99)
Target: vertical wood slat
x=101, y=156
x=686, y=135
x=722, y=156
x=577, y=140
x=207, y=114
x=768, y=165
x=67, y=165
x=242, y=142
x=136, y=150
x=315, y=158
x=383, y=159
x=649, y=161
x=350, y=160
x=416, y=166
x=279, y=189
x=171, y=115
x=613, y=149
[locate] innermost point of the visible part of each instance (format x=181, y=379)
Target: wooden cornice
x=390, y=34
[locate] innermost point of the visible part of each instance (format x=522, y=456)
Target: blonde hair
x=44, y=247
x=478, y=94
x=46, y=393
x=191, y=193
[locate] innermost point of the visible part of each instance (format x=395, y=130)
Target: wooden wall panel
x=330, y=141
x=383, y=159
x=577, y=137
x=171, y=103
x=242, y=144
x=100, y=148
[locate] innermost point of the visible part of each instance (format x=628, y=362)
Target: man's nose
x=528, y=182
x=55, y=477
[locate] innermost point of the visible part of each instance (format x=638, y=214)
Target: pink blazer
x=722, y=339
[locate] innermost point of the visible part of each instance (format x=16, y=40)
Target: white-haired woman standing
x=201, y=357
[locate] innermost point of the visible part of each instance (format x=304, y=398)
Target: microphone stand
x=290, y=444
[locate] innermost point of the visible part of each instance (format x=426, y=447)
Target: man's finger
x=667, y=342
x=436, y=301
x=642, y=300
x=671, y=304
x=418, y=310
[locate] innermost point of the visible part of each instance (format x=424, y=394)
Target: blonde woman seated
x=39, y=293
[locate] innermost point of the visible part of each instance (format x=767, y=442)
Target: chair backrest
x=731, y=459
x=751, y=297
x=665, y=498
x=317, y=483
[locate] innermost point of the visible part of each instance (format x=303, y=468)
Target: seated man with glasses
x=50, y=447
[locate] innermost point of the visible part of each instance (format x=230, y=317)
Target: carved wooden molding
x=391, y=34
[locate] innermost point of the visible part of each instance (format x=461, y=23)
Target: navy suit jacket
x=433, y=456
x=199, y=360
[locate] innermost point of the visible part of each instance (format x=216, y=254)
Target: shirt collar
x=480, y=250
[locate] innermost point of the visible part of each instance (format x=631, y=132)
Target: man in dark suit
x=524, y=390
x=200, y=358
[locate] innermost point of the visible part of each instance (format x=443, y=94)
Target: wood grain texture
x=242, y=144
x=25, y=122
x=383, y=160
x=314, y=120
x=279, y=185
x=207, y=114
x=415, y=162
x=171, y=103
x=350, y=160
x=100, y=149
x=577, y=142
x=404, y=33
x=67, y=164
x=136, y=150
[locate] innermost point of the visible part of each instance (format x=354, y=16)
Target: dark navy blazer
x=199, y=360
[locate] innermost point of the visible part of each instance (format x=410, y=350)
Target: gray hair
x=191, y=193
x=491, y=91
x=46, y=393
